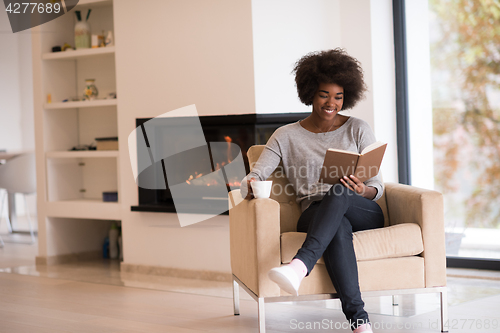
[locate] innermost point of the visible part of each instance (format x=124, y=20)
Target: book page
x=373, y=146
x=369, y=163
x=344, y=151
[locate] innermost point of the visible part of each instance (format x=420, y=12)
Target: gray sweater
x=303, y=153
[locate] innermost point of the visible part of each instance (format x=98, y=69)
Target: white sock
x=299, y=267
x=288, y=277
x=363, y=328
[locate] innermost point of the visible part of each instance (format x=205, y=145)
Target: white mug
x=262, y=189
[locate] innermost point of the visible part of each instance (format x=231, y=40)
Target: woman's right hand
x=249, y=188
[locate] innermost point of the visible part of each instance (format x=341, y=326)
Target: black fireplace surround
x=243, y=130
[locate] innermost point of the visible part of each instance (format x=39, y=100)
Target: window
x=465, y=72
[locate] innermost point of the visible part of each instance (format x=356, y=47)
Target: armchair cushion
x=382, y=274
x=401, y=240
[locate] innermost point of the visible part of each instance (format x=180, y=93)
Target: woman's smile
x=329, y=110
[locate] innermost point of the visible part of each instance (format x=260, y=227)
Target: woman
x=330, y=81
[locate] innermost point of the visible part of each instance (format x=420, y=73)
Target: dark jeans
x=329, y=224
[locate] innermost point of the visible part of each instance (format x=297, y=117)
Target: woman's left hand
x=359, y=187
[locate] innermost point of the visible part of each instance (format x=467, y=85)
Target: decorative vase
x=82, y=35
x=90, y=93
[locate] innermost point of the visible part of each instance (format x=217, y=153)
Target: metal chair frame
x=316, y=297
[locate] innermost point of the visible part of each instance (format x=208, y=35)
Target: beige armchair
x=407, y=256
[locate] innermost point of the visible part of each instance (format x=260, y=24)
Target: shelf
x=82, y=154
x=70, y=55
x=84, y=209
x=80, y=104
x=93, y=3
x=169, y=207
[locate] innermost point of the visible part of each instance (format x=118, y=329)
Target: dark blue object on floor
x=105, y=248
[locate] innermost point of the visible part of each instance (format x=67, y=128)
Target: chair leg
x=2, y=204
x=236, y=298
x=2, y=244
x=7, y=219
x=9, y=224
x=395, y=305
x=1, y=214
x=2, y=201
x=444, y=310
x=262, y=316
x=29, y=219
x=11, y=208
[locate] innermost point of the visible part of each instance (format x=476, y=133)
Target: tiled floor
x=95, y=296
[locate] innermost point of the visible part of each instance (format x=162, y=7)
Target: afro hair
x=332, y=66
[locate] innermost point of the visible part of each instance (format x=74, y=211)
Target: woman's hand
x=249, y=188
x=359, y=187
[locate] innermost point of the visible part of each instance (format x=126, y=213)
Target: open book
x=339, y=163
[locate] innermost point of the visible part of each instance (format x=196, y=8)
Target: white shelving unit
x=70, y=184
x=80, y=104
x=82, y=154
x=75, y=54
x=94, y=209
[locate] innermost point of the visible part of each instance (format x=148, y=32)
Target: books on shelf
x=339, y=163
x=107, y=143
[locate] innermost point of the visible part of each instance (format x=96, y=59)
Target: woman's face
x=328, y=100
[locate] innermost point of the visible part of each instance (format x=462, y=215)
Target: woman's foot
x=288, y=277
x=366, y=328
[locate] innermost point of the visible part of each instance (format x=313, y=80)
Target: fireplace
x=231, y=133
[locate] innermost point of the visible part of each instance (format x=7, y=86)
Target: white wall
x=16, y=88
x=283, y=32
x=357, y=40
x=419, y=93
x=26, y=88
x=178, y=53
x=384, y=84
x=367, y=34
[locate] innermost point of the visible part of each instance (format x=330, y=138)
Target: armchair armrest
x=424, y=207
x=254, y=232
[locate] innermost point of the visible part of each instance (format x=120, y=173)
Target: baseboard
x=139, y=269
x=68, y=258
x=176, y=272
